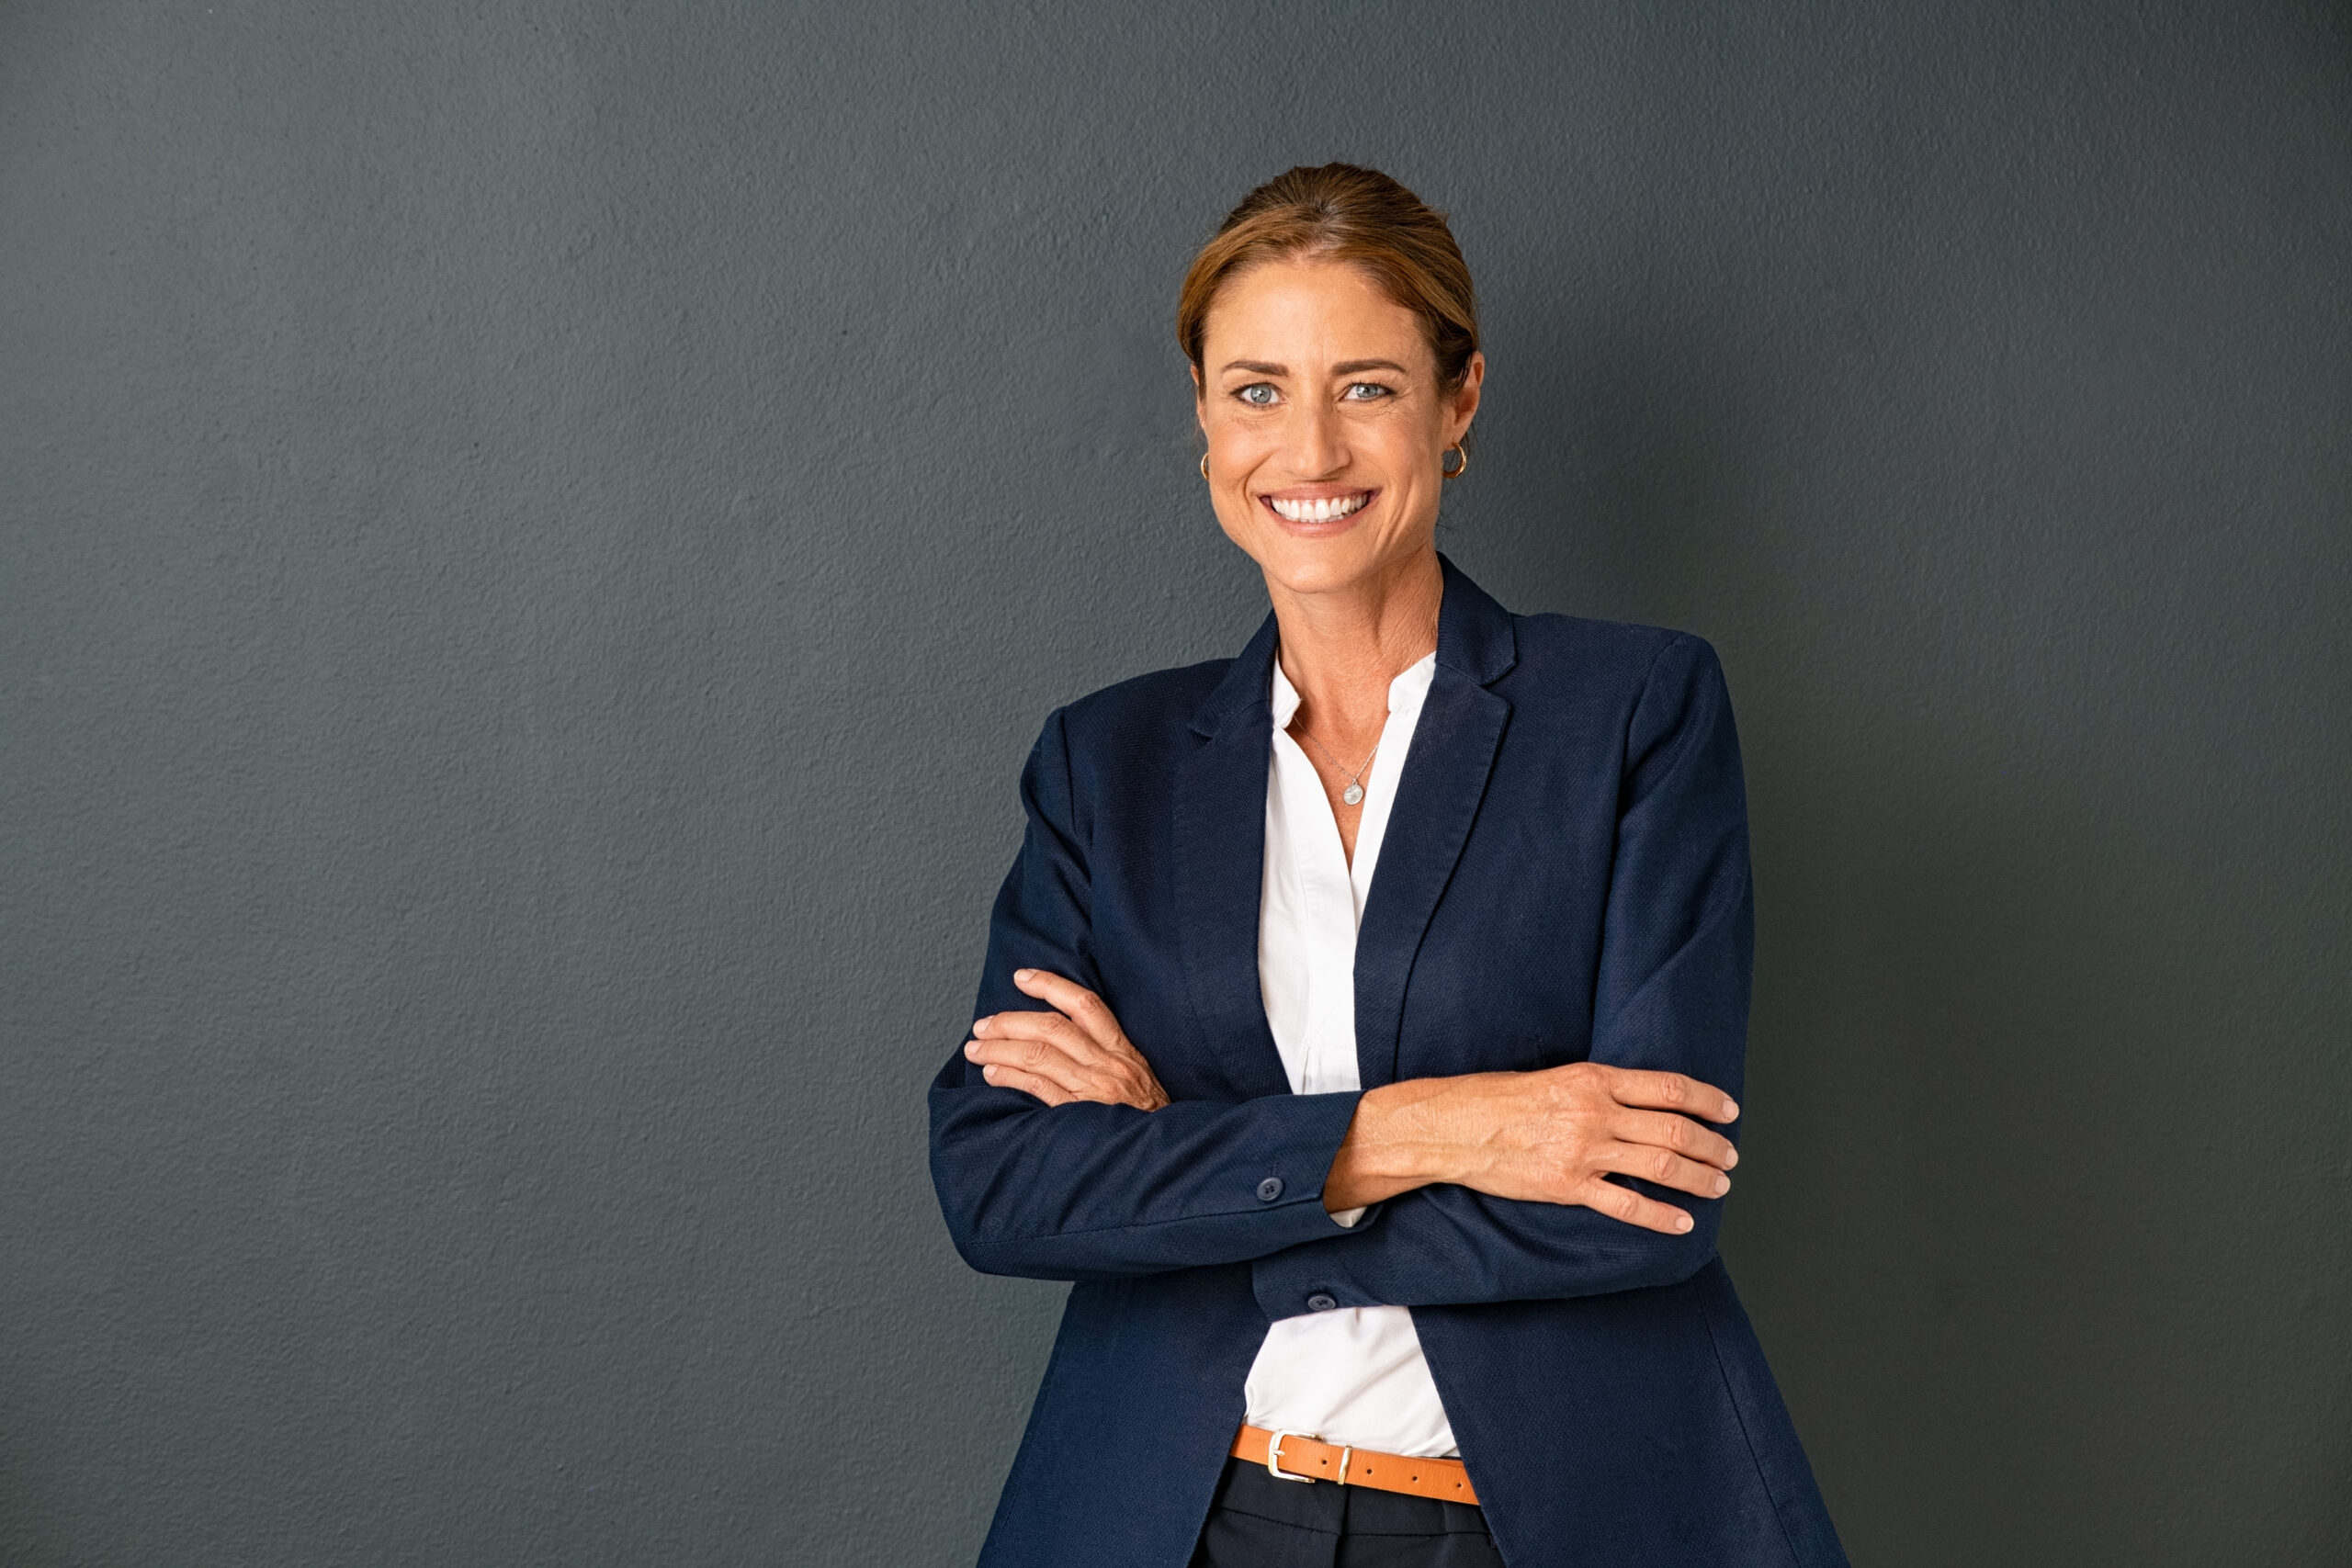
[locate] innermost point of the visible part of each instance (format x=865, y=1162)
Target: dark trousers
x=1259, y=1522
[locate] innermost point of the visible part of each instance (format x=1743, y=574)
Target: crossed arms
x=1058, y=1154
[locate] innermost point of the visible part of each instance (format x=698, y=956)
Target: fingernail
x=1022, y=974
x=1722, y=1185
x=988, y=1072
x=1731, y=1111
x=1731, y=1159
x=980, y=1026
x=971, y=1048
x=1682, y=1223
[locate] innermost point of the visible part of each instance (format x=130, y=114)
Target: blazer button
x=1269, y=1189
x=1319, y=1302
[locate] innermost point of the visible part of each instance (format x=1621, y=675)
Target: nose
x=1319, y=445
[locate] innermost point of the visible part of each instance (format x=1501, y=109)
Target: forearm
x=1088, y=1191
x=1554, y=1135
x=1448, y=1246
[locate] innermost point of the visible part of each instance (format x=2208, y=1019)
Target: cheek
x=1406, y=440
x=1237, y=450
x=1240, y=434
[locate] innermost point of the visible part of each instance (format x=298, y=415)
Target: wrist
x=1393, y=1145
x=1405, y=1131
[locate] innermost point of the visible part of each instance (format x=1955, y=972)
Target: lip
x=1321, y=528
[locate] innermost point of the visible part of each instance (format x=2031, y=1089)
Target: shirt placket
x=1330, y=910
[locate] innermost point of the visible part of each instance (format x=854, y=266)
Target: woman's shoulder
x=1575, y=655
x=1142, y=710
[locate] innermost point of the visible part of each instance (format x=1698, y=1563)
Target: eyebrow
x=1348, y=367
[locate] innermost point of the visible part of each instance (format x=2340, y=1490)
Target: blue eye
x=1258, y=394
x=1365, y=391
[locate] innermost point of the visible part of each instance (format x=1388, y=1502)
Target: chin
x=1320, y=566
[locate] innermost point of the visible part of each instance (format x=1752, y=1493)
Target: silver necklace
x=1353, y=794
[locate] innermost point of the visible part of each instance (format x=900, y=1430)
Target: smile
x=1322, y=509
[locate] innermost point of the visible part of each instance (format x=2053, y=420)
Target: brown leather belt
x=1303, y=1458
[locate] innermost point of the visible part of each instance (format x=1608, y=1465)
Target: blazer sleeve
x=1088, y=1191
x=1676, y=953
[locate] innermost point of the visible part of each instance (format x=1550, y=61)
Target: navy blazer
x=1564, y=877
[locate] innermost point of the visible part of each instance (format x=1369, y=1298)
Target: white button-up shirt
x=1352, y=1375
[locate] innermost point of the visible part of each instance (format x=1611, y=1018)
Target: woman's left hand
x=1077, y=1052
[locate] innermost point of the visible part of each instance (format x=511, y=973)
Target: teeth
x=1322, y=510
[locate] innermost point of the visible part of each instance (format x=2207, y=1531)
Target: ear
x=1464, y=405
x=1200, y=401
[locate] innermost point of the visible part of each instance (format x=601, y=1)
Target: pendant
x=1353, y=793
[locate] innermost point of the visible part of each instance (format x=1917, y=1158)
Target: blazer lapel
x=1219, y=854
x=1444, y=779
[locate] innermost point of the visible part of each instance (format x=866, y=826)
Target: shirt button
x=1319, y=1302
x=1269, y=1189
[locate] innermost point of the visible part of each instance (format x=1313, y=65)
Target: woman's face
x=1326, y=425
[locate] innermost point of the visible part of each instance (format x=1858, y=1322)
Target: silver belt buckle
x=1275, y=1457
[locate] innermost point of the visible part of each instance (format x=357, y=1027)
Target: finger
x=1074, y=1000
x=1001, y=1077
x=1051, y=1046
x=1103, y=1047
x=1667, y=1131
x=1663, y=1167
x=999, y=1058
x=1624, y=1204
x=1047, y=1029
x=1671, y=1091
x=1032, y=1058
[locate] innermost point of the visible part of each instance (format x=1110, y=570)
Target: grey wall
x=537, y=538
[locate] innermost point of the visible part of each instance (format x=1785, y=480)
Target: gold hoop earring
x=1204, y=465
x=1459, y=450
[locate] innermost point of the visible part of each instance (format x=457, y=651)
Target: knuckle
x=1673, y=1087
x=1663, y=1167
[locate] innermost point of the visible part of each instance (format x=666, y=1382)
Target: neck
x=1342, y=649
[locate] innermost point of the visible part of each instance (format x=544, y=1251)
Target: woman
x=1403, y=1186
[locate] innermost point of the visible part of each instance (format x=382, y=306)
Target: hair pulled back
x=1351, y=214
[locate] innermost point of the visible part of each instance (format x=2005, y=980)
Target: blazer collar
x=1474, y=633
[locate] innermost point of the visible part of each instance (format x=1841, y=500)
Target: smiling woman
x=1406, y=1189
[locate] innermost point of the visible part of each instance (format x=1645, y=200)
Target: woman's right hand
x=1550, y=1136
x=1076, y=1051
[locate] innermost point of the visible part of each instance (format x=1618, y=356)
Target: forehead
x=1296, y=311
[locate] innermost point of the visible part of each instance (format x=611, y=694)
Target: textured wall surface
x=534, y=540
